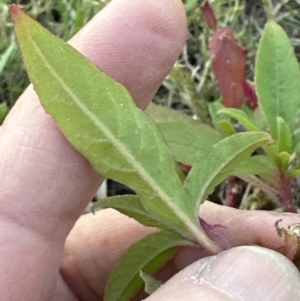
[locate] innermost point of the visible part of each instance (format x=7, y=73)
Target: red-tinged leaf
x=229, y=63
x=209, y=15
x=250, y=95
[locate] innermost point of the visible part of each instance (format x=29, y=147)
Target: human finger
x=97, y=242
x=242, y=273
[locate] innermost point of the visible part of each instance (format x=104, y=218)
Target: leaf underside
x=132, y=206
x=151, y=284
x=220, y=162
x=149, y=255
x=100, y=119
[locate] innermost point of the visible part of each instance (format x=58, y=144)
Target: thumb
x=243, y=273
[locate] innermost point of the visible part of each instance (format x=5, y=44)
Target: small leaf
x=221, y=162
x=3, y=112
x=229, y=63
x=151, y=284
x=277, y=78
x=241, y=117
x=214, y=108
x=284, y=137
x=296, y=141
x=227, y=127
x=250, y=95
x=188, y=139
x=100, y=119
x=132, y=206
x=284, y=160
x=261, y=165
x=259, y=118
x=149, y=254
x=209, y=15
x=6, y=55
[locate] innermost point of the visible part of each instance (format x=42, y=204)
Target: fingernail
x=243, y=273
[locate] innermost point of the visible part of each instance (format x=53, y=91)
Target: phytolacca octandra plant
x=277, y=80
x=122, y=143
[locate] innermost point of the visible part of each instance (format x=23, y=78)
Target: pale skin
x=49, y=252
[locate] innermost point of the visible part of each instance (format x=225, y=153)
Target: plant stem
x=205, y=242
x=268, y=6
x=284, y=184
x=273, y=193
x=245, y=196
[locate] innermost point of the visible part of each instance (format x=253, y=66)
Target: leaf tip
x=15, y=12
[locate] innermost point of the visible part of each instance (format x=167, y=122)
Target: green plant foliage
x=132, y=206
x=220, y=162
x=149, y=254
x=213, y=109
x=284, y=136
x=6, y=55
x=227, y=127
x=3, y=112
x=190, y=5
x=151, y=284
x=260, y=165
x=241, y=117
x=277, y=78
x=188, y=139
x=284, y=160
x=296, y=141
x=100, y=119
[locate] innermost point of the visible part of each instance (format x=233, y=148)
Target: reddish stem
x=233, y=192
x=285, y=185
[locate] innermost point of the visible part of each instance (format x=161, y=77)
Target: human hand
x=46, y=184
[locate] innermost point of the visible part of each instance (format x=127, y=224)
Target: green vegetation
x=259, y=144
x=64, y=18
x=191, y=81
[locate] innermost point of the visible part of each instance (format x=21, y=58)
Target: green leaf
x=3, y=112
x=132, y=206
x=293, y=172
x=296, y=141
x=6, y=55
x=284, y=137
x=284, y=160
x=214, y=108
x=149, y=254
x=190, y=5
x=261, y=165
x=227, y=127
x=151, y=284
x=220, y=162
x=188, y=139
x=259, y=118
x=100, y=119
x=241, y=117
x=277, y=78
